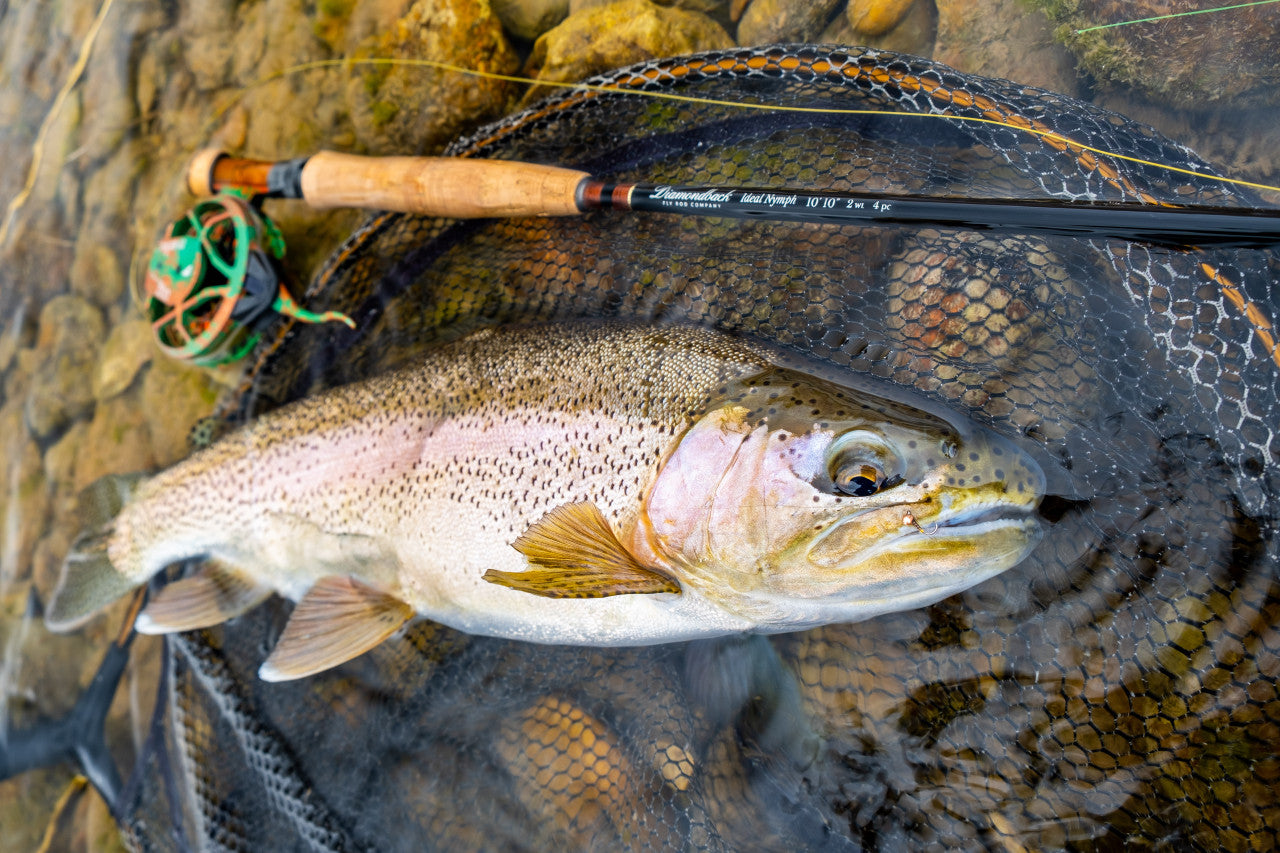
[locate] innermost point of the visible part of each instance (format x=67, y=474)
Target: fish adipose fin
x=574, y=553
x=88, y=581
x=210, y=597
x=337, y=620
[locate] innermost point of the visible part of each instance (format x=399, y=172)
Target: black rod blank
x=1179, y=226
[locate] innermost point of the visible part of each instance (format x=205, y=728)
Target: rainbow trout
x=594, y=485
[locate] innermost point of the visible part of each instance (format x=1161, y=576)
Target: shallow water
x=1173, y=674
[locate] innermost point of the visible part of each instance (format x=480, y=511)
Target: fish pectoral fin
x=210, y=597
x=338, y=619
x=574, y=553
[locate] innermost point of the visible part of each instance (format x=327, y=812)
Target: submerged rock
x=207, y=50
x=117, y=441
x=601, y=38
x=907, y=26
x=877, y=17
x=1002, y=38
x=24, y=498
x=1229, y=54
x=407, y=109
x=129, y=347
x=96, y=274
x=174, y=397
x=60, y=460
x=70, y=337
x=769, y=21
x=528, y=19
x=18, y=331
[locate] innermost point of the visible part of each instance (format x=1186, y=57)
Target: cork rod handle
x=435, y=186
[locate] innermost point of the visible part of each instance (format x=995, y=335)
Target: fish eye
x=860, y=479
x=861, y=465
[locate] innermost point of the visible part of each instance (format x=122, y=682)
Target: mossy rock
x=402, y=108
x=71, y=333
x=600, y=38
x=1232, y=54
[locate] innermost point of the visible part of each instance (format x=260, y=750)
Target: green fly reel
x=212, y=282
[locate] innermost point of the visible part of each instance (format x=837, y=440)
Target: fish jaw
x=880, y=561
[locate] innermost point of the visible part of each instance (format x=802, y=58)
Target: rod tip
x=200, y=172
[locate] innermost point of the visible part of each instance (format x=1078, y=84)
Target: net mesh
x=1118, y=688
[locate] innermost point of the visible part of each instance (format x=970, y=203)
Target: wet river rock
x=1233, y=54
x=605, y=37
x=71, y=332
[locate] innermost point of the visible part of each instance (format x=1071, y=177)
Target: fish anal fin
x=574, y=553
x=338, y=619
x=210, y=597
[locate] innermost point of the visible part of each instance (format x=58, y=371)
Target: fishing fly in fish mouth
x=579, y=484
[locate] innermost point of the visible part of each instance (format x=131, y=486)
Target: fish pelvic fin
x=89, y=582
x=211, y=596
x=574, y=553
x=340, y=618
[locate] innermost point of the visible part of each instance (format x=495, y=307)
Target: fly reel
x=212, y=282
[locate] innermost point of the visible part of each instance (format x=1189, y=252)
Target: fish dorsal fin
x=574, y=553
x=210, y=597
x=338, y=619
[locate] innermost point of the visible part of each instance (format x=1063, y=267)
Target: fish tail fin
x=89, y=581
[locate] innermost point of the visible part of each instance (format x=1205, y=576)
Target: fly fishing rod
x=468, y=189
x=213, y=283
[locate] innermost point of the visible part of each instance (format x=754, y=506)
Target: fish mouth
x=903, y=551
x=983, y=526
x=977, y=519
